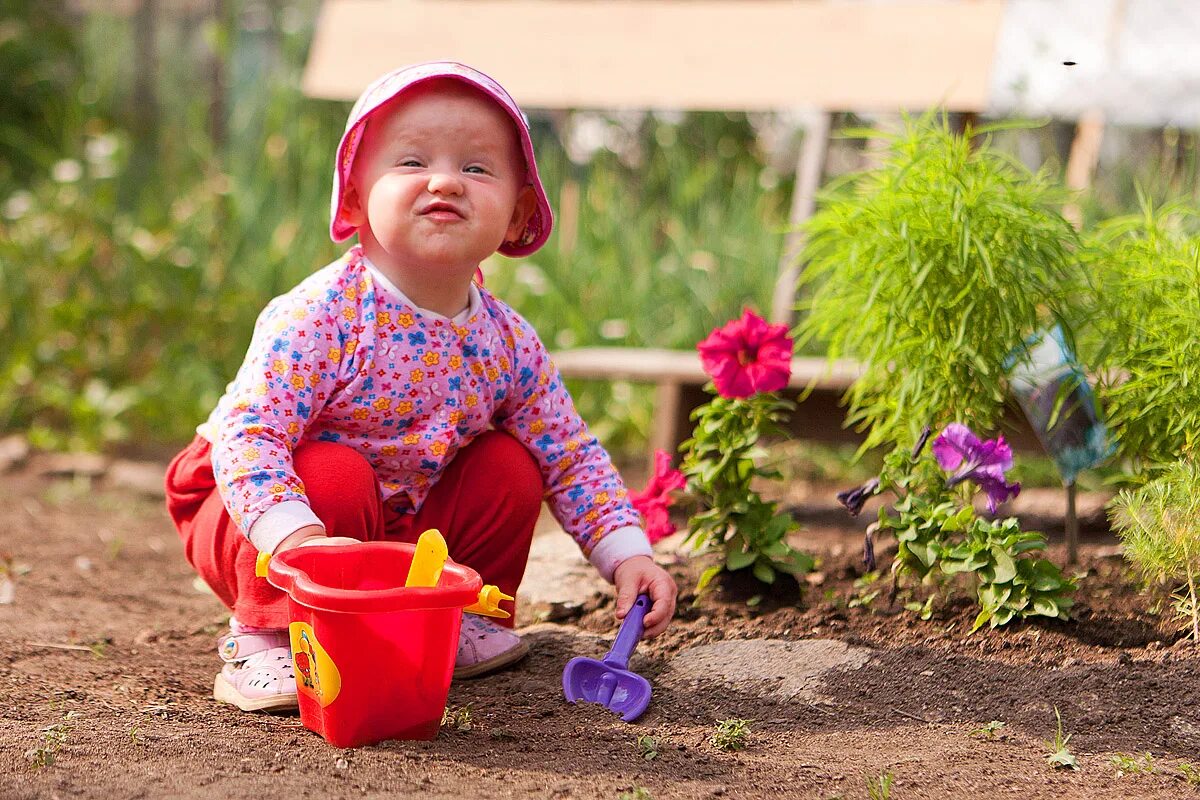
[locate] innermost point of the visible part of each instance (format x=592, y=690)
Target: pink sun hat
x=390, y=86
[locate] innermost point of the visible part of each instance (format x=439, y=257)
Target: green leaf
x=983, y=616
x=1002, y=617
x=739, y=559
x=1047, y=577
x=1006, y=570
x=1029, y=545
x=706, y=578
x=764, y=571
x=925, y=552
x=777, y=549
x=798, y=563
x=960, y=520
x=993, y=595
x=1044, y=606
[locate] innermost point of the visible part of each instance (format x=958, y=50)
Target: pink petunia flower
x=747, y=356
x=653, y=501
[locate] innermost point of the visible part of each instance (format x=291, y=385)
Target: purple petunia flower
x=854, y=499
x=960, y=451
x=921, y=440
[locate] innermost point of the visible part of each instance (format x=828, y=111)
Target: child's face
x=439, y=180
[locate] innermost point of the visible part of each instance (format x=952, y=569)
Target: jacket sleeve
x=583, y=489
x=297, y=359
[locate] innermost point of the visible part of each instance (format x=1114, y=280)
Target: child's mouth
x=442, y=212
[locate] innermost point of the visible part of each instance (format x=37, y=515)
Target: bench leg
x=665, y=432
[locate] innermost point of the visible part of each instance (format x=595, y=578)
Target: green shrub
x=1159, y=527
x=42, y=67
x=931, y=270
x=1146, y=331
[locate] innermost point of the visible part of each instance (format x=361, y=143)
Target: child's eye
x=409, y=162
x=475, y=169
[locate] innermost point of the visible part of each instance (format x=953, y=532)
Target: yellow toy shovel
x=428, y=560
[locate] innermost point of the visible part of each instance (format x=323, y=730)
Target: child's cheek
x=386, y=207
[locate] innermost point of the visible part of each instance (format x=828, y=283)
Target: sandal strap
x=234, y=647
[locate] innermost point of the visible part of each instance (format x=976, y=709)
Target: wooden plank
x=652, y=365
x=682, y=54
x=809, y=169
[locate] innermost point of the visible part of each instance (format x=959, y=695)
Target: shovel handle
x=629, y=634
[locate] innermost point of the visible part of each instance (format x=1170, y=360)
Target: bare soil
x=107, y=659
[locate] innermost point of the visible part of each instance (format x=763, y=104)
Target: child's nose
x=444, y=183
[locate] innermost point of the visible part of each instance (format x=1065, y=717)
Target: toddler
x=390, y=393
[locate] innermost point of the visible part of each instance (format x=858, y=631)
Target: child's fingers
x=662, y=592
x=626, y=594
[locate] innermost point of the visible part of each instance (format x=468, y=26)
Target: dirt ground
x=107, y=659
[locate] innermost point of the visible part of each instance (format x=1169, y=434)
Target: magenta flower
x=960, y=451
x=747, y=356
x=653, y=501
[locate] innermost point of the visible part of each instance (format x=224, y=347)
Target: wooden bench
x=679, y=388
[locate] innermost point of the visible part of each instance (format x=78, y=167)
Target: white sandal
x=258, y=674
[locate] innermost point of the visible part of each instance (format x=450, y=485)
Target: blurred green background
x=162, y=177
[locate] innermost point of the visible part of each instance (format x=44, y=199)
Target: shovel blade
x=619, y=690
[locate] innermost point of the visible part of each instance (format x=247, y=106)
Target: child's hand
x=640, y=575
x=312, y=535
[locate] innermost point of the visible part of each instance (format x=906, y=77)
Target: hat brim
x=393, y=85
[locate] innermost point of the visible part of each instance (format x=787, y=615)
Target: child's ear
x=352, y=209
x=522, y=211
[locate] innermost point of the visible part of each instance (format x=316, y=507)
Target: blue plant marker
x=1059, y=403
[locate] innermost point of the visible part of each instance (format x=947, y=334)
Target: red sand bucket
x=373, y=658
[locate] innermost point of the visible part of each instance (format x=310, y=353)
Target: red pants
x=486, y=505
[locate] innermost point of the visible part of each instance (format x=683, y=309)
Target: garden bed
x=129, y=713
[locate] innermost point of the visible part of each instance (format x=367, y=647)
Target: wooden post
x=567, y=218
x=876, y=150
x=568, y=214
x=1072, y=526
x=145, y=77
x=809, y=169
x=144, y=113
x=1081, y=163
x=668, y=427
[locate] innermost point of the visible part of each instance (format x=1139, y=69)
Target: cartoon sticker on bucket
x=316, y=674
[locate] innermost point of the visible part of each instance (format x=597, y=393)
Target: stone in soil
x=787, y=670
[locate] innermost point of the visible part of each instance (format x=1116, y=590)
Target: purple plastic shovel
x=609, y=681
